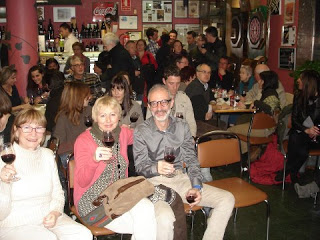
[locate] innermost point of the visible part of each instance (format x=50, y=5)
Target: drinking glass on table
x=169, y=157
x=190, y=197
x=237, y=99
x=8, y=156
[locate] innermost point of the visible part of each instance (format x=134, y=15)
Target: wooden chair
x=259, y=121
x=224, y=151
x=96, y=231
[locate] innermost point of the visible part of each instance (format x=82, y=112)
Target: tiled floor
x=291, y=217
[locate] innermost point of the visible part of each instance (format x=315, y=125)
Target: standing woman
x=70, y=119
x=303, y=136
x=120, y=90
x=8, y=77
x=37, y=88
x=32, y=207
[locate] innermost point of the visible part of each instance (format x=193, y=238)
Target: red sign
x=99, y=10
x=125, y=5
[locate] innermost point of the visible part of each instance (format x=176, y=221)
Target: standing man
x=173, y=34
x=191, y=40
x=150, y=139
x=182, y=103
x=215, y=48
x=69, y=38
x=200, y=93
x=152, y=35
x=181, y=62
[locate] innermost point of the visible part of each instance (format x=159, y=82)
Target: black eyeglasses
x=163, y=103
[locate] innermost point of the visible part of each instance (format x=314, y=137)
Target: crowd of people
x=149, y=94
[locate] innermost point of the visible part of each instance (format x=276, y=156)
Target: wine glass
x=88, y=121
x=169, y=157
x=179, y=115
x=31, y=100
x=225, y=97
x=237, y=99
x=8, y=156
x=315, y=138
x=108, y=139
x=190, y=197
x=243, y=94
x=133, y=118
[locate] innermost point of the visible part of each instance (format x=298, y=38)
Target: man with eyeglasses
x=150, y=139
x=200, y=93
x=78, y=74
x=182, y=103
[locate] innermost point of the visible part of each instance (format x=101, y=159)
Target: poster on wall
x=288, y=37
x=180, y=11
x=194, y=9
x=287, y=58
x=156, y=11
x=160, y=27
x=99, y=10
x=182, y=30
x=289, y=8
x=125, y=5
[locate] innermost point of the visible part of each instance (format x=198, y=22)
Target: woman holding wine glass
x=37, y=88
x=131, y=110
x=32, y=207
x=102, y=160
x=73, y=117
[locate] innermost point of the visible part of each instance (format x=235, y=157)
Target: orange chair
x=223, y=151
x=96, y=231
x=260, y=121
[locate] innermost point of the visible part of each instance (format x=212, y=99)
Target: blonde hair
x=29, y=115
x=248, y=69
x=105, y=101
x=110, y=38
x=74, y=59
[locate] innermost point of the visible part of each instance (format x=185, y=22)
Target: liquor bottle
x=91, y=47
x=82, y=33
x=40, y=28
x=103, y=29
x=89, y=30
x=96, y=48
x=3, y=33
x=76, y=32
x=61, y=43
x=50, y=30
x=0, y=33
x=87, y=47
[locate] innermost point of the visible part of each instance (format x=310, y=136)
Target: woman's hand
x=312, y=132
x=7, y=172
x=102, y=154
x=51, y=219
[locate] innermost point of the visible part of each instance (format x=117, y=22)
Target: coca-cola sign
x=99, y=10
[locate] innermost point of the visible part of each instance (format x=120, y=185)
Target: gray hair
x=200, y=66
x=247, y=68
x=159, y=87
x=261, y=68
x=110, y=38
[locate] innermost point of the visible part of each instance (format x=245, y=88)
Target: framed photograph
x=40, y=13
x=128, y=22
x=156, y=11
x=182, y=30
x=135, y=36
x=63, y=14
x=287, y=58
x=3, y=15
x=289, y=8
x=275, y=7
x=160, y=27
x=193, y=9
x=288, y=35
x=180, y=11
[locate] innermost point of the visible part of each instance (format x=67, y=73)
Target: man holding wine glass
x=150, y=139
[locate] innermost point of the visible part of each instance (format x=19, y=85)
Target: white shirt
x=68, y=41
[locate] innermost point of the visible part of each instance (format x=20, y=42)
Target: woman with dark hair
x=187, y=74
x=5, y=117
x=305, y=131
x=131, y=110
x=8, y=77
x=37, y=88
x=52, y=64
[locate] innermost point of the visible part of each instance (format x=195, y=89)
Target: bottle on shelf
x=50, y=30
x=61, y=43
x=89, y=34
x=3, y=33
x=76, y=32
x=103, y=29
x=87, y=47
x=40, y=28
x=83, y=32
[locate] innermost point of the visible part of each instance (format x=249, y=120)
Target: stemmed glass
x=190, y=197
x=225, y=97
x=133, y=118
x=88, y=121
x=108, y=139
x=179, y=115
x=8, y=156
x=243, y=94
x=169, y=157
x=315, y=139
x=237, y=99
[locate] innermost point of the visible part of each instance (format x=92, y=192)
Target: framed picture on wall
x=156, y=11
x=289, y=8
x=128, y=22
x=193, y=9
x=63, y=14
x=180, y=11
x=288, y=35
x=182, y=30
x=287, y=58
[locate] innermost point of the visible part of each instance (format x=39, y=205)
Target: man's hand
x=196, y=192
x=208, y=115
x=165, y=168
x=312, y=132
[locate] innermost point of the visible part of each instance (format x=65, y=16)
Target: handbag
x=124, y=194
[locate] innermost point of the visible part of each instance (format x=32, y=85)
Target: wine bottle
x=50, y=30
x=103, y=29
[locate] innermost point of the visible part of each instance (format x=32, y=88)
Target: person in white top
x=69, y=38
x=32, y=207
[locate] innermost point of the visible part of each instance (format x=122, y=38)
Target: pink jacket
x=87, y=170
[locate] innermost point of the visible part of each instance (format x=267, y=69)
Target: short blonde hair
x=29, y=115
x=75, y=58
x=248, y=69
x=105, y=101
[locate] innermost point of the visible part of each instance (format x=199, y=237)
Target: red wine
x=237, y=100
x=8, y=158
x=169, y=158
x=190, y=199
x=226, y=99
x=108, y=143
x=244, y=94
x=133, y=119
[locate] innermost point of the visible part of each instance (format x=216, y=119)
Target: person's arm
x=190, y=117
x=263, y=106
x=153, y=61
x=253, y=94
x=295, y=116
x=200, y=107
x=143, y=163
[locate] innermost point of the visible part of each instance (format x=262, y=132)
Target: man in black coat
x=222, y=78
x=120, y=59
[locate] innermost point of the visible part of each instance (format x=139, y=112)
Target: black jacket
x=214, y=52
x=225, y=83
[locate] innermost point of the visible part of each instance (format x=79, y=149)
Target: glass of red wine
x=134, y=118
x=88, y=121
x=190, y=197
x=8, y=156
x=243, y=94
x=108, y=139
x=169, y=157
x=225, y=97
x=237, y=98
x=179, y=115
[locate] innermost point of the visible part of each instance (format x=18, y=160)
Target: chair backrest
x=262, y=120
x=222, y=148
x=70, y=178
